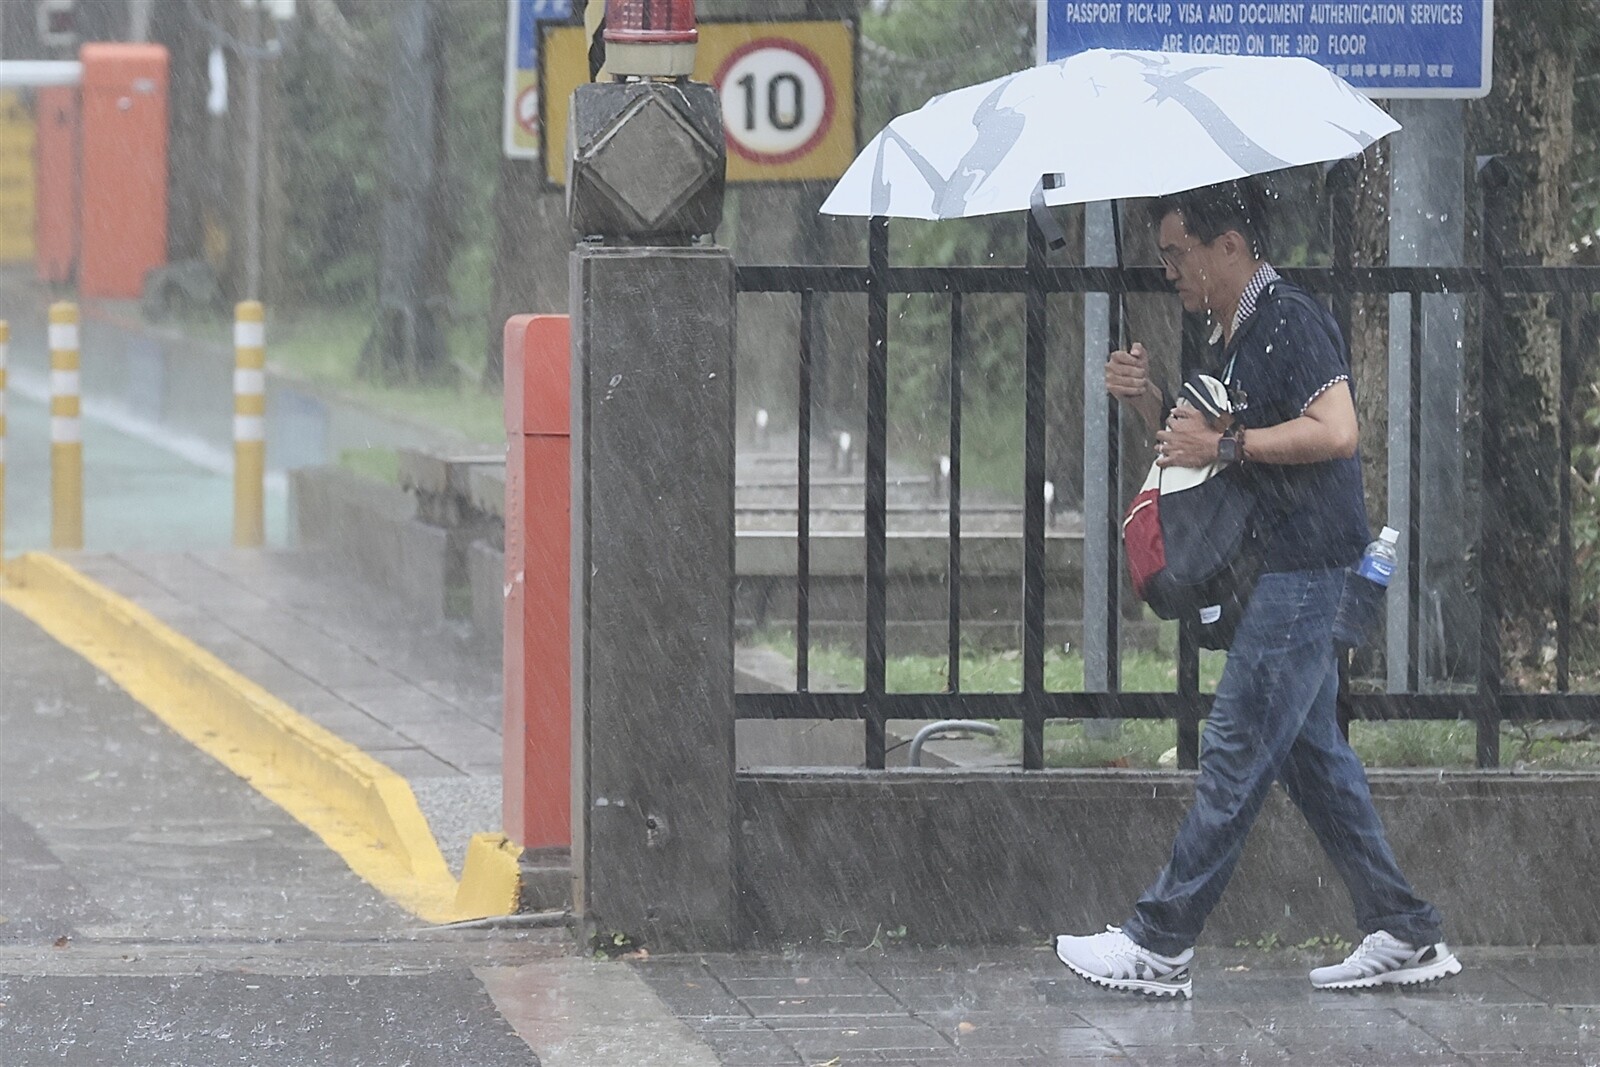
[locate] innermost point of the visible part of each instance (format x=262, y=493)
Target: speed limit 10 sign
x=787, y=88
x=777, y=100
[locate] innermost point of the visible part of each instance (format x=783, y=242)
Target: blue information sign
x=1411, y=48
x=521, y=125
x=529, y=13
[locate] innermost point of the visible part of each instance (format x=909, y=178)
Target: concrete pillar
x=653, y=592
x=652, y=519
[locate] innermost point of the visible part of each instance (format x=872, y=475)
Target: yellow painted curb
x=491, y=877
x=361, y=809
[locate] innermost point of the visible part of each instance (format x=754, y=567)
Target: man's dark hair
x=1213, y=210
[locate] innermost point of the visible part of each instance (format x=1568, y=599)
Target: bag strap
x=1281, y=290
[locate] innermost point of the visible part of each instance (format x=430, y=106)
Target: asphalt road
x=156, y=910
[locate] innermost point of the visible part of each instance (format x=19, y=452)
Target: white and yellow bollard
x=249, y=425
x=66, y=430
x=5, y=350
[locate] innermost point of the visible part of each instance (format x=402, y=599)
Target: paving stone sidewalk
x=1020, y=1007
x=421, y=698
x=415, y=694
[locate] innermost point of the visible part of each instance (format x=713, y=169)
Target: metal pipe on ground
x=914, y=756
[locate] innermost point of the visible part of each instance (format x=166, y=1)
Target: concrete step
x=546, y=880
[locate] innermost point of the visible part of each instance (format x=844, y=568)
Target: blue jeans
x=1274, y=719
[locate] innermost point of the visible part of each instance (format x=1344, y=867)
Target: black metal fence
x=1499, y=277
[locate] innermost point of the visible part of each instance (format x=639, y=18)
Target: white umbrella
x=1106, y=125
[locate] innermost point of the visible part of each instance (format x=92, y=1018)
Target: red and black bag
x=1191, y=547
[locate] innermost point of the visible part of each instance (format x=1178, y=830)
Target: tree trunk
x=1369, y=325
x=192, y=167
x=408, y=339
x=1527, y=120
x=531, y=243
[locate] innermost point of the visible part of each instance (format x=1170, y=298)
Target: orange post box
x=538, y=620
x=124, y=167
x=55, y=147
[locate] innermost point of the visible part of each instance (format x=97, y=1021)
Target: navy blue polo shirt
x=1282, y=357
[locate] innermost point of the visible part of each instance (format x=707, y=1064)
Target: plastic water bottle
x=1364, y=588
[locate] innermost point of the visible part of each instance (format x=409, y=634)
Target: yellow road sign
x=16, y=179
x=520, y=134
x=788, y=92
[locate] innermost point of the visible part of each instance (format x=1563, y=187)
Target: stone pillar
x=652, y=510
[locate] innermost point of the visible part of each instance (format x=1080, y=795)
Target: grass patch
x=1325, y=945
x=1533, y=746
x=323, y=346
x=1147, y=744
x=1068, y=743
x=1139, y=744
x=991, y=450
x=1414, y=744
x=986, y=671
x=377, y=464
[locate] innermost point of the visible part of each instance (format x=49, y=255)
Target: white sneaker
x=1114, y=960
x=1383, y=959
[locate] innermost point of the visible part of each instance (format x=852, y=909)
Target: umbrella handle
x=1119, y=308
x=1054, y=235
x=1116, y=229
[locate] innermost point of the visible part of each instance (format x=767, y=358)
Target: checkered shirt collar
x=1263, y=277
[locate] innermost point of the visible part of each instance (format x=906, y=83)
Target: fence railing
x=1497, y=278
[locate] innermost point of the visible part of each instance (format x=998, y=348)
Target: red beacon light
x=650, y=38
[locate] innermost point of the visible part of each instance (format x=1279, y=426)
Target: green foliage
x=612, y=944
x=1138, y=744
x=475, y=55
x=1586, y=138
x=1415, y=744
x=921, y=47
x=375, y=464
x=1324, y=944
x=993, y=671
x=913, y=50
x=333, y=154
x=323, y=346
x=1269, y=942
x=1585, y=481
x=841, y=936
x=1149, y=743
x=1337, y=945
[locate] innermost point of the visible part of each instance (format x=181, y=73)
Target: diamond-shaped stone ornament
x=648, y=163
x=652, y=161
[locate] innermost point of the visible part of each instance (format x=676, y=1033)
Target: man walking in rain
x=1273, y=718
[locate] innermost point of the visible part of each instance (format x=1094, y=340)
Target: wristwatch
x=1230, y=449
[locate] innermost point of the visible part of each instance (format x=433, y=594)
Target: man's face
x=1189, y=264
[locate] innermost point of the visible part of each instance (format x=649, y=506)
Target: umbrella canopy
x=1106, y=125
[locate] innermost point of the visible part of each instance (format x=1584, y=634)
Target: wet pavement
x=159, y=911
x=1019, y=1007
x=154, y=909
x=419, y=697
